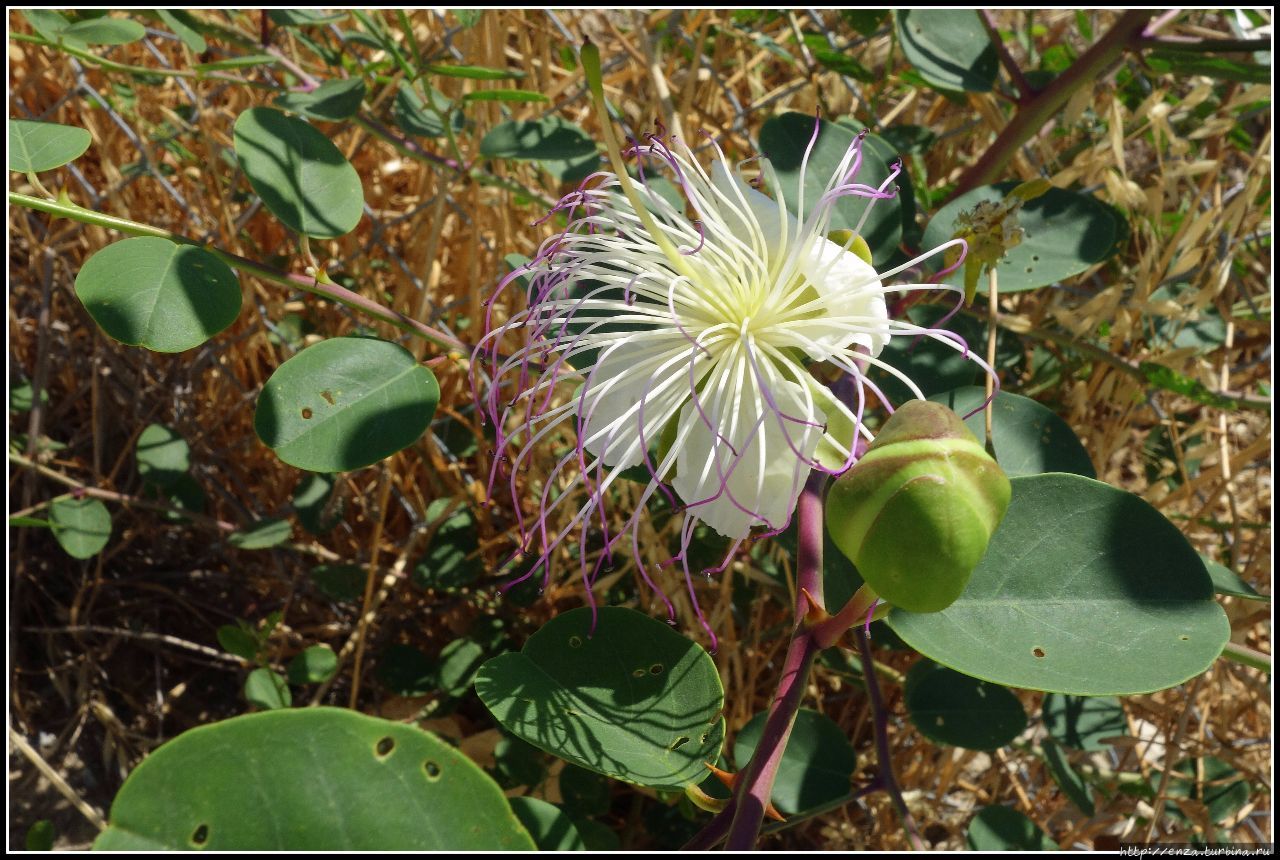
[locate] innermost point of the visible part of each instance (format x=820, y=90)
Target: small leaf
x=1085, y=589
x=81, y=527
x=1186, y=63
x=817, y=765
x=1000, y=828
x=238, y=640
x=1210, y=781
x=163, y=456
x=949, y=47
x=154, y=293
x=550, y=828
x=263, y=534
x=479, y=73
x=1073, y=785
x=232, y=63
x=504, y=96
x=548, y=138
x=414, y=115
x=633, y=700
x=308, y=780
x=459, y=662
x=305, y=17
x=313, y=666
x=313, y=503
x=105, y=31
x=183, y=25
x=300, y=175
x=332, y=100
x=1225, y=581
x=1083, y=722
x=37, y=146
x=340, y=581
x=345, y=403
x=585, y=792
x=955, y=709
x=1029, y=438
x=267, y=690
x=40, y=836
x=450, y=561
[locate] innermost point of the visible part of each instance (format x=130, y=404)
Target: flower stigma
x=676, y=339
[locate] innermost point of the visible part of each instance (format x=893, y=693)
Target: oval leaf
x=154, y=293
x=550, y=828
x=331, y=101
x=817, y=765
x=267, y=690
x=548, y=138
x=412, y=113
x=479, y=73
x=299, y=174
x=37, y=146
x=504, y=96
x=1085, y=589
x=1029, y=438
x=105, y=31
x=263, y=534
x=950, y=708
x=313, y=666
x=313, y=779
x=784, y=140
x=184, y=26
x=345, y=403
x=1226, y=581
x=340, y=581
x=82, y=527
x=999, y=828
x=163, y=455
x=949, y=48
x=635, y=700
x=1064, y=233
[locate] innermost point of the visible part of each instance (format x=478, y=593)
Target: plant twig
x=1247, y=656
x=1025, y=90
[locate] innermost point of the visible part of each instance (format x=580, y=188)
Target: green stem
x=329, y=291
x=1033, y=115
x=1247, y=656
x=1206, y=46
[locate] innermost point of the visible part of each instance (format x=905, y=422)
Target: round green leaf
x=550, y=828
x=40, y=836
x=1083, y=722
x=238, y=640
x=633, y=700
x=332, y=100
x=1085, y=589
x=339, y=581
x=184, y=493
x=37, y=146
x=406, y=671
x=1226, y=581
x=299, y=174
x=459, y=662
x=267, y=690
x=313, y=666
x=546, y=138
x=163, y=455
x=1029, y=438
x=949, y=48
x=817, y=765
x=1064, y=233
x=784, y=140
x=312, y=502
x=345, y=403
x=412, y=113
x=518, y=763
x=950, y=708
x=154, y=293
x=1000, y=828
x=310, y=779
x=263, y=534
x=1209, y=780
x=81, y=527
x=446, y=563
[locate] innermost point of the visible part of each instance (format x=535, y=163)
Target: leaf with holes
x=1001, y=828
x=547, y=823
x=949, y=48
x=37, y=146
x=157, y=294
x=633, y=699
x=163, y=455
x=784, y=139
x=1085, y=589
x=310, y=779
x=1029, y=438
x=331, y=101
x=950, y=708
x=1064, y=233
x=81, y=527
x=345, y=403
x=817, y=765
x=299, y=174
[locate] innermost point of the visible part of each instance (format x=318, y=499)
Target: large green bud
x=917, y=511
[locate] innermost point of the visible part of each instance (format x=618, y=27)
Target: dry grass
x=112, y=656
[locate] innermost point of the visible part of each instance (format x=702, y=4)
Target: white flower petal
x=850, y=291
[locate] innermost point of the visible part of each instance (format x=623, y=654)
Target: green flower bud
x=917, y=511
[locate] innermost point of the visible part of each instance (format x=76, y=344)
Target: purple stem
x=1020, y=82
x=755, y=783
x=880, y=720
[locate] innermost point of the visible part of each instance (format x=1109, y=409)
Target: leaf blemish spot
x=656, y=669
x=306, y=413
x=200, y=835
x=433, y=770
x=384, y=747
x=575, y=641
x=1039, y=652
x=638, y=673
x=328, y=396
